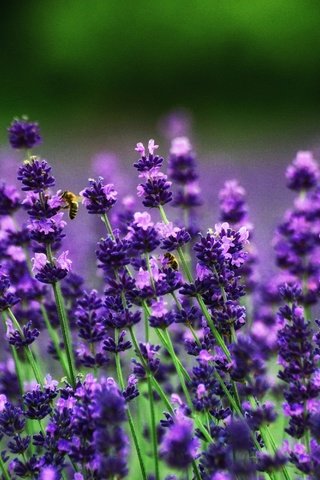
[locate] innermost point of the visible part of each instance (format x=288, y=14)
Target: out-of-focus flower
x=24, y=134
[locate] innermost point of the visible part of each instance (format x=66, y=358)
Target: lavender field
x=152, y=328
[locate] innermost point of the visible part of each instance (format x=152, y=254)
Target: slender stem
x=64, y=323
x=17, y=363
x=27, y=349
x=213, y=329
x=55, y=340
x=146, y=328
x=196, y=470
x=151, y=400
x=130, y=419
x=163, y=396
x=188, y=324
x=163, y=215
x=41, y=428
x=149, y=270
x=161, y=393
x=153, y=429
x=107, y=223
x=18, y=368
x=186, y=221
x=4, y=469
x=179, y=372
x=200, y=301
x=196, y=339
x=34, y=365
x=65, y=328
x=263, y=430
x=179, y=368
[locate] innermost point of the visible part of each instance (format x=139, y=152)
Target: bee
x=172, y=262
x=72, y=203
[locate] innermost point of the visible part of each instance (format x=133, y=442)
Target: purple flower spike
x=179, y=446
x=182, y=162
x=7, y=298
x=24, y=134
x=49, y=473
x=156, y=190
x=99, y=198
x=9, y=199
x=35, y=175
x=21, y=339
x=233, y=203
x=47, y=272
x=303, y=173
x=148, y=162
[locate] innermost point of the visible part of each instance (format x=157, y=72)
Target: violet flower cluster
x=177, y=361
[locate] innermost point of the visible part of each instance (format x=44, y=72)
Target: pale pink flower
x=143, y=220
x=201, y=391
x=110, y=192
x=63, y=261
x=16, y=253
x=180, y=146
x=202, y=271
x=140, y=149
x=3, y=401
x=140, y=190
x=129, y=202
x=50, y=383
x=159, y=307
x=143, y=278
x=56, y=201
x=152, y=146
x=205, y=356
x=167, y=229
x=38, y=262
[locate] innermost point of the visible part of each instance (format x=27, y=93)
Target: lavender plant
x=181, y=363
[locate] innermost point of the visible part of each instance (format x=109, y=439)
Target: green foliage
x=104, y=55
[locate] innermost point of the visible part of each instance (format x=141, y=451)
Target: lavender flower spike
x=99, y=198
x=24, y=134
x=179, y=446
x=303, y=173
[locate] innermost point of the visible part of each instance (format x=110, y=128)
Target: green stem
x=3, y=469
x=55, y=340
x=27, y=349
x=65, y=328
x=153, y=429
x=160, y=391
x=264, y=431
x=17, y=363
x=107, y=223
x=200, y=301
x=213, y=329
x=177, y=364
x=178, y=370
x=196, y=470
x=151, y=400
x=18, y=368
x=186, y=221
x=64, y=323
x=130, y=419
x=34, y=365
x=163, y=396
x=149, y=270
x=41, y=428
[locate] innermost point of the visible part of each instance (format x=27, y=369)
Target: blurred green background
x=247, y=70
x=99, y=75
